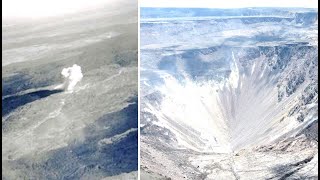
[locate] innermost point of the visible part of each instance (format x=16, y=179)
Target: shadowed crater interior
x=13, y=102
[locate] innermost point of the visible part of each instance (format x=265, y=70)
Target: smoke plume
x=72, y=76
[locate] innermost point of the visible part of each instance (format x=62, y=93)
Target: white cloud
x=229, y=3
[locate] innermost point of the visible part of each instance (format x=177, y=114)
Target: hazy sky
x=43, y=8
x=229, y=3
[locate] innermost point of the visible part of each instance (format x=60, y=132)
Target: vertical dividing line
x=139, y=90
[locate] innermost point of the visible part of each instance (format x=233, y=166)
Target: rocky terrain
x=229, y=94
x=88, y=130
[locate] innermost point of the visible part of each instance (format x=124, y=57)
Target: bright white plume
x=72, y=76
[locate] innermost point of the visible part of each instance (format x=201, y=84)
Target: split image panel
x=154, y=90
x=70, y=91
x=228, y=93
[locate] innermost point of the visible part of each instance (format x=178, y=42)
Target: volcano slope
x=229, y=94
x=89, y=132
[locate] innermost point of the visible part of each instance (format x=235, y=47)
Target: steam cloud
x=72, y=76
